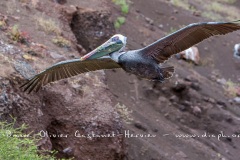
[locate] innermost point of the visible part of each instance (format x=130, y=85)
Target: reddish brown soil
x=191, y=102
x=171, y=109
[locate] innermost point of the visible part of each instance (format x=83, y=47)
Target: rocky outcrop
x=190, y=54
x=90, y=29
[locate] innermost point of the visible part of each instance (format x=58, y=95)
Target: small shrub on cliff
x=123, y=4
x=18, y=36
x=124, y=9
x=232, y=89
x=119, y=22
x=48, y=25
x=124, y=113
x=61, y=42
x=3, y=25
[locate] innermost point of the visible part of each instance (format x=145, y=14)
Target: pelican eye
x=115, y=38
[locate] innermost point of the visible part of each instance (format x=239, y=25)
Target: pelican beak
x=106, y=48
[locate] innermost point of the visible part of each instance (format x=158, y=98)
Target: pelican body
x=145, y=63
x=134, y=62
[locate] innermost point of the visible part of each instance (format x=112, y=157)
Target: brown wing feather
x=67, y=69
x=186, y=37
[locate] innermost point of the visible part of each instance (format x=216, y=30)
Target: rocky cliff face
x=198, y=100
x=67, y=111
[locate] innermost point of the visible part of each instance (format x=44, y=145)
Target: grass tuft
x=3, y=25
x=181, y=3
x=124, y=113
x=16, y=145
x=123, y=4
x=119, y=22
x=227, y=1
x=232, y=88
x=61, y=42
x=219, y=8
x=215, y=10
x=18, y=36
x=48, y=25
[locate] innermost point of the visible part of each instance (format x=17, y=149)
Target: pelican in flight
x=145, y=62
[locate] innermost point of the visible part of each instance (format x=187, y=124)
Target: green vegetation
x=227, y=1
x=48, y=25
x=181, y=3
x=211, y=15
x=119, y=22
x=232, y=88
x=61, y=42
x=16, y=35
x=15, y=145
x=123, y=4
x=222, y=9
x=51, y=27
x=207, y=61
x=172, y=30
x=124, y=113
x=124, y=10
x=215, y=10
x=3, y=25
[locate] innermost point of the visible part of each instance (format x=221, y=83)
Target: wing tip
x=30, y=85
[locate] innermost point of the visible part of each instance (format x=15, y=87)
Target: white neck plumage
x=115, y=55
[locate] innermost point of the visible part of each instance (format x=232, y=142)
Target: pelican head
x=115, y=44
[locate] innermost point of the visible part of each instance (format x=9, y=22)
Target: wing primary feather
x=24, y=84
x=186, y=37
x=70, y=70
x=62, y=73
x=49, y=77
x=37, y=87
x=91, y=67
x=31, y=88
x=97, y=64
x=29, y=83
x=44, y=80
x=66, y=69
x=87, y=69
x=74, y=70
x=65, y=72
x=58, y=75
x=40, y=83
x=54, y=75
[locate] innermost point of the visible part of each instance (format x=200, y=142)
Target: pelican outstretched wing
x=186, y=37
x=67, y=69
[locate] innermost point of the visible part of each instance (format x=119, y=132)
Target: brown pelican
x=145, y=62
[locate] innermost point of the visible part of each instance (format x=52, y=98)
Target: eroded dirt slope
x=33, y=36
x=192, y=102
